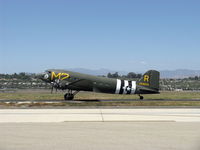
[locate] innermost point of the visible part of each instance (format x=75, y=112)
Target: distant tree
x=15, y=75
x=139, y=75
x=196, y=78
x=114, y=75
x=24, y=76
x=109, y=75
x=131, y=75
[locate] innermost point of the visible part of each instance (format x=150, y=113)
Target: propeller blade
x=52, y=89
x=56, y=89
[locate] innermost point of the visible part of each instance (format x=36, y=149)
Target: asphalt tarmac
x=99, y=129
x=100, y=136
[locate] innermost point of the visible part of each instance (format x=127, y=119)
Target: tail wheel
x=141, y=97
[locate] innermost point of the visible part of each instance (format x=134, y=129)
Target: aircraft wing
x=78, y=85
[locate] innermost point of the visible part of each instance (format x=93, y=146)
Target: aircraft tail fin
x=150, y=80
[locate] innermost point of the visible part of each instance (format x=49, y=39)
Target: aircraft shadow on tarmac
x=128, y=100
x=97, y=100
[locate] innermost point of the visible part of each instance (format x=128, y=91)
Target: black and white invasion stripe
x=125, y=87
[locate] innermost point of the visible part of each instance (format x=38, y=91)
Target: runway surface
x=100, y=136
x=99, y=115
x=85, y=129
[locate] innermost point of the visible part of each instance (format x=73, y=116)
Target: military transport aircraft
x=75, y=82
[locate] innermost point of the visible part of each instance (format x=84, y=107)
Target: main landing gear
x=141, y=97
x=69, y=95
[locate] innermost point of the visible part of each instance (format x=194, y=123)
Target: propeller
x=55, y=84
x=52, y=88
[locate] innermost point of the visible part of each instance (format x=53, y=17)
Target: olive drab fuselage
x=83, y=82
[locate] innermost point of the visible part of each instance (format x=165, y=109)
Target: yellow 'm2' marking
x=61, y=76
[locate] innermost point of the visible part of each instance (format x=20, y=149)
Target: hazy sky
x=129, y=35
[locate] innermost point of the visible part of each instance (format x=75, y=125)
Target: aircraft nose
x=40, y=75
x=43, y=76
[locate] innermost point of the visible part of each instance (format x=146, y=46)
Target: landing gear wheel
x=68, y=96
